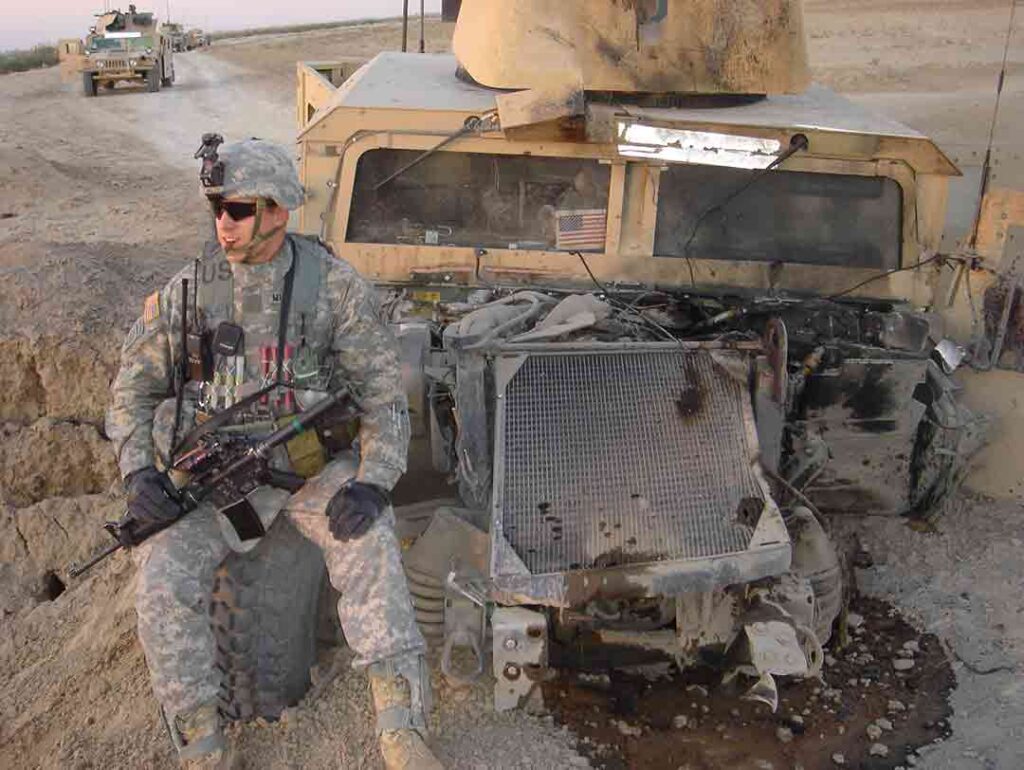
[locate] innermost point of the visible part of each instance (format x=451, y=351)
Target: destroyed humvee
x=663, y=307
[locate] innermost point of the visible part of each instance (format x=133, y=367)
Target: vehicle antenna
x=986, y=167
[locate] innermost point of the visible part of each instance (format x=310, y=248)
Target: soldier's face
x=235, y=235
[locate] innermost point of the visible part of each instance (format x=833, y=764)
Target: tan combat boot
x=401, y=719
x=203, y=744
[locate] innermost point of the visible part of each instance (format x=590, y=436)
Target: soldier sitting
x=288, y=296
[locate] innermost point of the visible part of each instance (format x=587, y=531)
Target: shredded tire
x=264, y=617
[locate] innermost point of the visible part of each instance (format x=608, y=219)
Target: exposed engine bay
x=645, y=473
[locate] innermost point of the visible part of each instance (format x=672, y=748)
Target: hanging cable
x=796, y=143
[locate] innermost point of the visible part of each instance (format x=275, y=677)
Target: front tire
x=88, y=84
x=153, y=78
x=264, y=614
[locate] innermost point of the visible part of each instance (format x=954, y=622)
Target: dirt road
x=98, y=205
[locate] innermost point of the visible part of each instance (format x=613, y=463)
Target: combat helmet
x=251, y=168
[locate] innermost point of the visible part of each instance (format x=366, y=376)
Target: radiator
x=629, y=456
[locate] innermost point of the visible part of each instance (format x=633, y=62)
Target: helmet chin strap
x=258, y=237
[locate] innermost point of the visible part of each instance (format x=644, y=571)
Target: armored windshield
x=785, y=216
x=477, y=199
x=140, y=43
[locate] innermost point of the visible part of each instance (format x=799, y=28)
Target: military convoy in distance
x=126, y=47
x=176, y=34
x=196, y=38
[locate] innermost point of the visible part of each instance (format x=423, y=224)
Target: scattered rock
x=838, y=759
x=896, y=706
x=878, y=750
x=884, y=723
x=628, y=730
x=699, y=689
x=784, y=734
x=874, y=732
x=679, y=721
x=902, y=664
x=853, y=620
x=912, y=646
x=596, y=680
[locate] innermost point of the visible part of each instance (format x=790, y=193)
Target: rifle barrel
x=75, y=569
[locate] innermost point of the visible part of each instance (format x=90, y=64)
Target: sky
x=24, y=24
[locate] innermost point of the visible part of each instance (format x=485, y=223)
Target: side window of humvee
x=478, y=199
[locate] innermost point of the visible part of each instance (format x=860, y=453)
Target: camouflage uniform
x=342, y=332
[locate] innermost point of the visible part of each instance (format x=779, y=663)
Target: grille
x=617, y=458
x=115, y=65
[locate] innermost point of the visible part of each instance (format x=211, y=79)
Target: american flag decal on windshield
x=581, y=229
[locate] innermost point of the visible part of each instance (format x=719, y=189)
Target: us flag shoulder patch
x=151, y=310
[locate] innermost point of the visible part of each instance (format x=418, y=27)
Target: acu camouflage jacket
x=340, y=329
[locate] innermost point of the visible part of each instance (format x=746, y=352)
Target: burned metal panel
x=864, y=410
x=1003, y=310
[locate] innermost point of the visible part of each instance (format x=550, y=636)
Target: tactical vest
x=295, y=354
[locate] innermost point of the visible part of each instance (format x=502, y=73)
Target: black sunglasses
x=237, y=210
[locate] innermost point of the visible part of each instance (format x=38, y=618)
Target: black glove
x=152, y=498
x=354, y=508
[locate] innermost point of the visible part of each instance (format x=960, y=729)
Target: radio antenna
x=986, y=167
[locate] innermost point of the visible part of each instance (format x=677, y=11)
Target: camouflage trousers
x=176, y=570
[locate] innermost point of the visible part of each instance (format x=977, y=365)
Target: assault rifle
x=224, y=471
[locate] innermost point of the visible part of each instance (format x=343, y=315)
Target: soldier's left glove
x=354, y=508
x=152, y=497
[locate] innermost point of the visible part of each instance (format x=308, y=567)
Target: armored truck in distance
x=127, y=47
x=176, y=34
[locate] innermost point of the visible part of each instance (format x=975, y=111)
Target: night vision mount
x=211, y=173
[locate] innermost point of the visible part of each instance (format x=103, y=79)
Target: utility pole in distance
x=405, y=25
x=422, y=50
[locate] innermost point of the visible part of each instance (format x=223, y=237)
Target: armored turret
x=635, y=46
